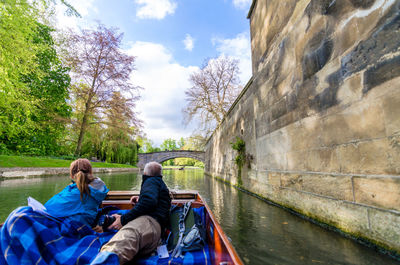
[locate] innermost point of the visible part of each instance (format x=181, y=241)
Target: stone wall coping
x=251, y=9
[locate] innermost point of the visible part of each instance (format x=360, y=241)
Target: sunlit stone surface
x=321, y=114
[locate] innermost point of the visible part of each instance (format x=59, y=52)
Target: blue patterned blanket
x=29, y=237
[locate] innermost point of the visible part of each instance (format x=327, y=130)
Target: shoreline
x=24, y=172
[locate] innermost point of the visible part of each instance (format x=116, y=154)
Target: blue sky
x=170, y=39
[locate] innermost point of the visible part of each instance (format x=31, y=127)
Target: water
x=261, y=233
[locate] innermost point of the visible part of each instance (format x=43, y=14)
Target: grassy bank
x=28, y=161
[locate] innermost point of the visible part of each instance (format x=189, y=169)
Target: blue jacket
x=68, y=204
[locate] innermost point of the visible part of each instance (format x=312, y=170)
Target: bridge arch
x=167, y=155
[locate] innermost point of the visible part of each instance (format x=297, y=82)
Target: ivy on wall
x=240, y=159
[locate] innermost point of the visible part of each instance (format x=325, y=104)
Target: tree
x=17, y=56
x=33, y=81
x=48, y=94
x=36, y=110
x=19, y=24
x=181, y=143
x=99, y=69
x=214, y=88
x=119, y=143
x=146, y=145
x=195, y=142
x=169, y=145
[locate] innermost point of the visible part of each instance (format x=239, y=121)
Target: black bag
x=194, y=237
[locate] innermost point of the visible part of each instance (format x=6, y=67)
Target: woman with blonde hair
x=80, y=200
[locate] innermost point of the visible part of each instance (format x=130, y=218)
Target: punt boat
x=221, y=250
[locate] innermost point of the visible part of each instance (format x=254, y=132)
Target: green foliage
x=50, y=93
x=240, y=159
x=18, y=24
x=195, y=142
x=169, y=145
x=33, y=83
x=181, y=143
x=170, y=162
x=188, y=162
x=146, y=145
x=17, y=56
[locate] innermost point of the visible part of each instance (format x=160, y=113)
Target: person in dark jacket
x=140, y=229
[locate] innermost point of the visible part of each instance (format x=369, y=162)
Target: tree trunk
x=82, y=130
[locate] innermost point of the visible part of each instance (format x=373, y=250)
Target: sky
x=170, y=40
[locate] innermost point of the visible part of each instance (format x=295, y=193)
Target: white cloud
x=157, y=9
x=188, y=42
x=242, y=4
x=164, y=82
x=238, y=48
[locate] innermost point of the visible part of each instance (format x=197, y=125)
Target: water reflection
x=261, y=233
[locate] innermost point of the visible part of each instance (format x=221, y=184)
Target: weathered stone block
x=381, y=72
x=275, y=142
x=262, y=123
x=320, y=184
x=262, y=177
x=322, y=160
x=380, y=192
x=369, y=157
x=305, y=134
x=274, y=179
x=262, y=188
x=295, y=160
x=317, y=54
x=391, y=109
x=386, y=227
x=279, y=109
x=351, y=90
x=361, y=121
x=338, y=213
x=394, y=154
x=272, y=161
x=264, y=14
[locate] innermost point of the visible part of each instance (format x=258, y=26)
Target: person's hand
x=134, y=200
x=117, y=223
x=98, y=229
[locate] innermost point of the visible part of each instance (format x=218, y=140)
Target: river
x=261, y=233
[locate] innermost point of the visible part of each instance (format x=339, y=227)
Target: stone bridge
x=167, y=155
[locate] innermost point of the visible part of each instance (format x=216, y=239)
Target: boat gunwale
x=231, y=250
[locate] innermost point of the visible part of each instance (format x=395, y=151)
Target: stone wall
x=321, y=114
